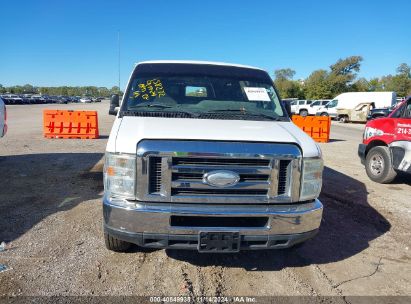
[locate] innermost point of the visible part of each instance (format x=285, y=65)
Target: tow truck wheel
x=115, y=244
x=378, y=165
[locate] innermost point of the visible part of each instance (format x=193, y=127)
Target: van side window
x=332, y=103
x=301, y=102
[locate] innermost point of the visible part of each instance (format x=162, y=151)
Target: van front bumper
x=157, y=225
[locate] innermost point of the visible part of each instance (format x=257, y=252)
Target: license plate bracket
x=219, y=241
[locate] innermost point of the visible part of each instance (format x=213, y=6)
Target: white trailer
x=350, y=100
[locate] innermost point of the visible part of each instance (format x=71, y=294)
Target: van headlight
x=311, y=181
x=120, y=175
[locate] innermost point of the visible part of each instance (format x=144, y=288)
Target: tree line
x=341, y=77
x=320, y=84
x=63, y=90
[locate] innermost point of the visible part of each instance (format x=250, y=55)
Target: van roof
x=199, y=62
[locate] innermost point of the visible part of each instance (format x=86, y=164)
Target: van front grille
x=187, y=176
x=265, y=172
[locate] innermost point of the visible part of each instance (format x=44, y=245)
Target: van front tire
x=378, y=165
x=115, y=244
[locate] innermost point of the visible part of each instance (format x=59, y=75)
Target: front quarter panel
x=111, y=144
x=309, y=147
x=381, y=129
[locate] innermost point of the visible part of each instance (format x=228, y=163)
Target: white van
x=350, y=100
x=203, y=156
x=316, y=105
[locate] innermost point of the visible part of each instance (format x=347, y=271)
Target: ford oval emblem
x=221, y=178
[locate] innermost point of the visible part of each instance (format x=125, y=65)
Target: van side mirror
x=114, y=104
x=287, y=107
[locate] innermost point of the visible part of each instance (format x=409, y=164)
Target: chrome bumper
x=131, y=221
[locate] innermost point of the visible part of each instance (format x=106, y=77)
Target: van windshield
x=332, y=103
x=202, y=95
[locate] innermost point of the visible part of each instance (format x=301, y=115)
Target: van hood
x=128, y=131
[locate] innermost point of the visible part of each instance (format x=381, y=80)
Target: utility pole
x=119, y=61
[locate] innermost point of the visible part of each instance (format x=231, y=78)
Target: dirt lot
x=51, y=216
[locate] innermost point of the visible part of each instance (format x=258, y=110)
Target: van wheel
x=324, y=114
x=115, y=244
x=303, y=113
x=378, y=165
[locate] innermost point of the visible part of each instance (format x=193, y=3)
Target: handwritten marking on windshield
x=151, y=88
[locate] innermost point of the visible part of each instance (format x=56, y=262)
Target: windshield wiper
x=245, y=113
x=151, y=105
x=134, y=112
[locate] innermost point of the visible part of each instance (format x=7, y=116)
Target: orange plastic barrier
x=70, y=124
x=318, y=127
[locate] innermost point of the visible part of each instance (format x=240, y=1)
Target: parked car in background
x=86, y=99
x=12, y=99
x=38, y=99
x=289, y=100
x=330, y=109
x=350, y=100
x=54, y=99
x=47, y=99
x=379, y=112
x=358, y=114
x=3, y=118
x=26, y=98
x=386, y=146
x=63, y=99
x=74, y=99
x=300, y=107
x=317, y=104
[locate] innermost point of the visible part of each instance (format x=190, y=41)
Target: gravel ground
x=51, y=219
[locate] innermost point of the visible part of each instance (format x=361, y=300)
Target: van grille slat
x=199, y=176
x=187, y=161
x=154, y=175
x=283, y=175
x=215, y=191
